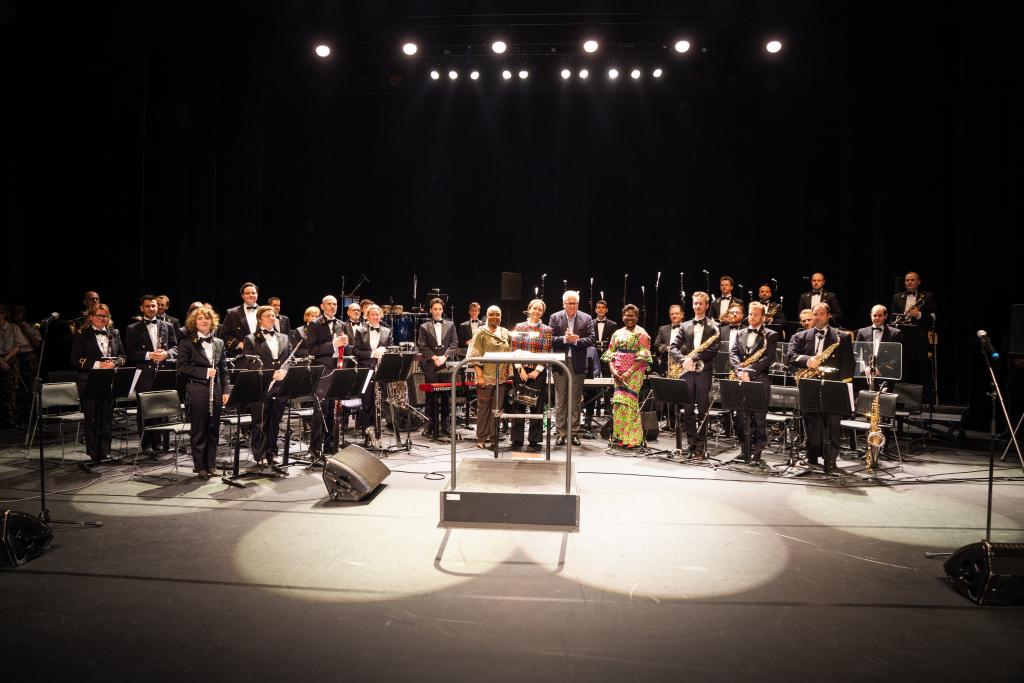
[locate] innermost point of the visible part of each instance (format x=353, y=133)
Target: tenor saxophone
x=819, y=372
x=875, y=438
x=675, y=370
x=753, y=358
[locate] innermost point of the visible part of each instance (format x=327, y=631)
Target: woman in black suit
x=273, y=349
x=202, y=366
x=97, y=346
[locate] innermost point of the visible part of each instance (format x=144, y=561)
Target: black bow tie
x=755, y=330
x=879, y=329
x=251, y=308
x=677, y=325
x=206, y=340
x=374, y=329
x=103, y=332
x=267, y=332
x=154, y=321
x=702, y=321
x=816, y=291
x=819, y=333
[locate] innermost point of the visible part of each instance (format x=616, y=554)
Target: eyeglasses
x=100, y=315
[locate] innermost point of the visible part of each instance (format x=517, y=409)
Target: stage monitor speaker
x=989, y=573
x=353, y=473
x=511, y=286
x=1017, y=329
x=22, y=537
x=649, y=420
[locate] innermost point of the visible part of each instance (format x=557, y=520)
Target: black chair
x=887, y=418
x=161, y=412
x=60, y=404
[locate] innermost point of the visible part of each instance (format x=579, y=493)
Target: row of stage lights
x=566, y=74
x=499, y=47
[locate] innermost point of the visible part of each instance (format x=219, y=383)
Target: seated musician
x=534, y=336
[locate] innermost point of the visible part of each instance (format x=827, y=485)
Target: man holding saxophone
x=695, y=348
x=751, y=353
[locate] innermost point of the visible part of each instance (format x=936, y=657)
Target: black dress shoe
x=560, y=441
x=516, y=444
x=534, y=447
x=576, y=440
x=148, y=453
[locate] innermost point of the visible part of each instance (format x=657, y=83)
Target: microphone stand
x=657, y=310
x=625, y=288
x=591, y=293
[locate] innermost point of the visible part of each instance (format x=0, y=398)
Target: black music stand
x=124, y=380
x=822, y=397
x=98, y=386
x=676, y=393
x=164, y=380
x=248, y=389
x=744, y=398
x=298, y=382
x=396, y=367
x=336, y=385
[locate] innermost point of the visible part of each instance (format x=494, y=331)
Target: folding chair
x=161, y=412
x=61, y=399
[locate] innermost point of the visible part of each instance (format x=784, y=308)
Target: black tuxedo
x=362, y=350
x=193, y=366
x=889, y=334
x=699, y=383
x=234, y=328
x=720, y=305
x=830, y=298
x=899, y=305
x=426, y=343
x=319, y=343
x=754, y=421
x=138, y=343
x=267, y=414
x=85, y=352
x=917, y=366
x=284, y=324
x=466, y=331
x=663, y=340
x=779, y=319
x=603, y=336
x=801, y=349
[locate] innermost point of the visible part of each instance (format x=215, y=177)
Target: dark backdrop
x=183, y=148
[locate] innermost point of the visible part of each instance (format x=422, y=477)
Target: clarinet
x=285, y=364
x=214, y=378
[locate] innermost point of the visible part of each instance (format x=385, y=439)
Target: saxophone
x=753, y=358
x=819, y=372
x=875, y=438
x=675, y=370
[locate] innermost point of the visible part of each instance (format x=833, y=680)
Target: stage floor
x=678, y=572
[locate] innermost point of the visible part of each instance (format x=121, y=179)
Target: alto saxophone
x=675, y=370
x=753, y=358
x=819, y=372
x=875, y=438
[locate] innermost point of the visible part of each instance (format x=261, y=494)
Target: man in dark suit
x=436, y=340
x=281, y=323
x=151, y=346
x=354, y=322
x=919, y=312
x=468, y=328
x=368, y=346
x=877, y=333
x=805, y=347
x=758, y=341
x=572, y=332
x=326, y=339
x=273, y=349
x=720, y=305
x=818, y=295
x=240, y=321
x=604, y=328
x=163, y=302
x=662, y=343
x=97, y=346
x=693, y=334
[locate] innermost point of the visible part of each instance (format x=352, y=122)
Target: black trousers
x=813, y=432
x=699, y=384
x=205, y=432
x=756, y=423
x=432, y=374
x=368, y=410
x=98, y=418
x=536, y=431
x=266, y=419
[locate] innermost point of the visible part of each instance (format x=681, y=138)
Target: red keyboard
x=428, y=387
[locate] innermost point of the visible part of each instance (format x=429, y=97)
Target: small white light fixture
x=499, y=47
x=635, y=74
x=453, y=74
x=773, y=46
x=506, y=74
x=523, y=74
x=682, y=46
x=584, y=73
x=657, y=72
x=434, y=75
x=474, y=75
x=410, y=49
x=566, y=74
x=323, y=51
x=590, y=46
x=613, y=73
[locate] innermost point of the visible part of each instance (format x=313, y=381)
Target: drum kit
x=403, y=325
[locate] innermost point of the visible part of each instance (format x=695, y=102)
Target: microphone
x=986, y=345
x=47, y=320
x=706, y=273
x=657, y=280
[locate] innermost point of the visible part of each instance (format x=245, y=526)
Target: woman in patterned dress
x=629, y=356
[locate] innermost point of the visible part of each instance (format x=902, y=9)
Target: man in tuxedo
x=326, y=339
x=368, y=346
x=720, y=306
x=240, y=321
x=281, y=322
x=877, y=333
x=151, y=346
x=803, y=351
x=354, y=322
x=468, y=328
x=662, y=343
x=747, y=342
x=273, y=349
x=920, y=308
x=765, y=296
x=163, y=302
x=733, y=321
x=436, y=341
x=572, y=332
x=604, y=328
x=97, y=347
x=818, y=295
x=692, y=335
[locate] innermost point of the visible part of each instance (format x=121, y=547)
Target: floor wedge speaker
x=989, y=573
x=22, y=537
x=353, y=473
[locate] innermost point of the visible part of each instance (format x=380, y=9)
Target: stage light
x=523, y=74
x=506, y=74
x=590, y=46
x=434, y=75
x=453, y=74
x=773, y=46
x=682, y=46
x=323, y=50
x=566, y=74
x=474, y=75
x=584, y=73
x=499, y=47
x=410, y=49
x=634, y=74
x=657, y=73
x=613, y=73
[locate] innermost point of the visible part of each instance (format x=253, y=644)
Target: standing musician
x=273, y=349
x=877, y=333
x=368, y=346
x=326, y=339
x=281, y=323
x=731, y=321
x=355, y=320
x=97, y=346
x=662, y=343
x=914, y=311
x=720, y=305
x=163, y=302
x=468, y=328
x=201, y=361
x=240, y=321
x=299, y=333
x=766, y=297
x=818, y=295
x=573, y=332
x=805, y=347
x=694, y=334
x=758, y=341
x=490, y=377
x=436, y=340
x=536, y=337
x=151, y=346
x=604, y=328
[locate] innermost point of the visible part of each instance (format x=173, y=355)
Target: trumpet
x=904, y=318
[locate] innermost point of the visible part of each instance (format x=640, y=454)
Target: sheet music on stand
x=888, y=360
